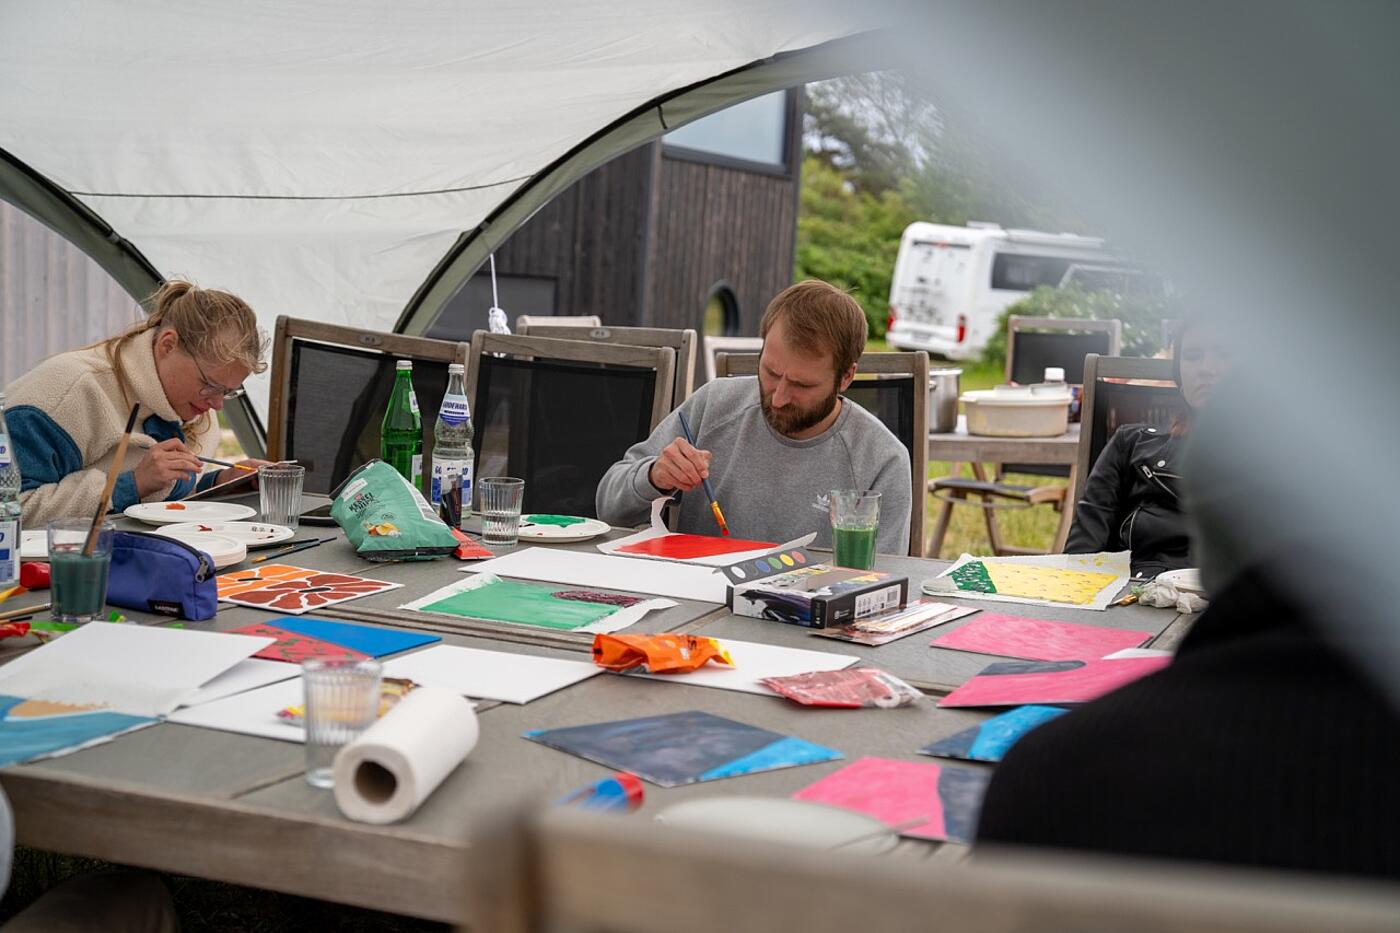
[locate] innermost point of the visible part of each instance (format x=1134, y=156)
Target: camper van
x=952, y=283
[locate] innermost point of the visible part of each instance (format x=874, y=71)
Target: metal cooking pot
x=943, y=395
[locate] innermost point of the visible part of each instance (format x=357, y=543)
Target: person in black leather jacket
x=1132, y=497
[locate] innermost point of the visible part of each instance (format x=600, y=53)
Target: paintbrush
x=709, y=492
x=225, y=463
x=26, y=611
x=118, y=460
x=291, y=548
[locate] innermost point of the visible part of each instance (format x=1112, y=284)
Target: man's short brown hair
x=820, y=318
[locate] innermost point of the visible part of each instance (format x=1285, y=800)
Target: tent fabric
x=320, y=158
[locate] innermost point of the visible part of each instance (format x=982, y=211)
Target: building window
x=753, y=133
x=721, y=313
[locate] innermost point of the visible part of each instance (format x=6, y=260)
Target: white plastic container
x=1018, y=411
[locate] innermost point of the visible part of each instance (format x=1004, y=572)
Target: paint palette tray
x=800, y=591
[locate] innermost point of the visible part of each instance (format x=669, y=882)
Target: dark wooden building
x=696, y=229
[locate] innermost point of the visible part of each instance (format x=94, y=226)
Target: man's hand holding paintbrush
x=681, y=465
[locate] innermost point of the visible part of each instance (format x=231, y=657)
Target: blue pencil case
x=152, y=573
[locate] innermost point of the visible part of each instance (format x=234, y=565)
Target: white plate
x=1187, y=581
x=589, y=528
x=225, y=552
x=795, y=822
x=33, y=545
x=252, y=535
x=166, y=513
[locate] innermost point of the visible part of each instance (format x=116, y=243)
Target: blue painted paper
x=375, y=642
x=991, y=740
x=24, y=738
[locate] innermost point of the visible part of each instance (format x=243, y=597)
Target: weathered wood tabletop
x=959, y=446
x=236, y=808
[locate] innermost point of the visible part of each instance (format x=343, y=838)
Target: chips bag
x=386, y=518
x=851, y=688
x=657, y=654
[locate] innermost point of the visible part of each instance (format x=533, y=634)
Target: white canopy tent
x=353, y=162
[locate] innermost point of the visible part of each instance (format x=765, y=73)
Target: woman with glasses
x=189, y=356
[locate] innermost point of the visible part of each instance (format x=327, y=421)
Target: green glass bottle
x=401, y=435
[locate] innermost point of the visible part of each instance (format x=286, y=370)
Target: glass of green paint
x=78, y=581
x=855, y=518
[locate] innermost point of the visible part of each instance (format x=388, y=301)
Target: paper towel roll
x=385, y=774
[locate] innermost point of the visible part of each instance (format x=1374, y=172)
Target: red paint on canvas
x=894, y=792
x=316, y=591
x=1038, y=639
x=1087, y=682
x=295, y=647
x=687, y=547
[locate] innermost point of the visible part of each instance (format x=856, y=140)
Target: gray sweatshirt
x=771, y=487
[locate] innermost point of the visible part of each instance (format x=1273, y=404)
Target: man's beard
x=792, y=420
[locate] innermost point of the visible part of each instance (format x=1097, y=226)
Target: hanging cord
x=496, y=317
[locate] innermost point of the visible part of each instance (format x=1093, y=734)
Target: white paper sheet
x=753, y=661
x=658, y=529
x=609, y=572
x=1116, y=563
x=137, y=669
x=1137, y=653
x=624, y=617
x=245, y=675
x=253, y=712
x=490, y=675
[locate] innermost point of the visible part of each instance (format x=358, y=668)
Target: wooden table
x=960, y=447
x=236, y=808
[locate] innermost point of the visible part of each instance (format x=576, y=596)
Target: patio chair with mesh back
x=1111, y=400
x=1033, y=345
x=894, y=388
x=682, y=341
x=559, y=413
x=330, y=387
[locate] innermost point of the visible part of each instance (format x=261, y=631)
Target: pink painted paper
x=1087, y=682
x=893, y=792
x=1038, y=639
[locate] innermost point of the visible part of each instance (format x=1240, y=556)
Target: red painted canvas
x=941, y=801
x=1014, y=683
x=295, y=647
x=316, y=591
x=688, y=547
x=1038, y=639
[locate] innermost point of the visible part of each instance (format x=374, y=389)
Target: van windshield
x=1021, y=272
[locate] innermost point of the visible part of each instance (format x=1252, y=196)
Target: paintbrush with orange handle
x=709, y=492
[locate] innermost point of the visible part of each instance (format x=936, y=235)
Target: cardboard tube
x=385, y=774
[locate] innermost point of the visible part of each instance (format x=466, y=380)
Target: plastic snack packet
x=657, y=654
x=851, y=688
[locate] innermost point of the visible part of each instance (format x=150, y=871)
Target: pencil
x=303, y=545
x=26, y=611
x=709, y=492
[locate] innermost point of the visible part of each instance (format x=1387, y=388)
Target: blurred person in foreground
x=1132, y=499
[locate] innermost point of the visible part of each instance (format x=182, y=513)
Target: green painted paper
x=563, y=521
x=523, y=604
x=973, y=577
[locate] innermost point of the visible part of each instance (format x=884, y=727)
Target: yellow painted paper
x=1076, y=587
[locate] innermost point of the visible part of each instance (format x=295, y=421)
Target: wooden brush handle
x=112, y=473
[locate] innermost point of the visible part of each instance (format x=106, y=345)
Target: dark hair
x=820, y=319
x=1186, y=325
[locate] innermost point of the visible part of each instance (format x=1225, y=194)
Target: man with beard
x=774, y=446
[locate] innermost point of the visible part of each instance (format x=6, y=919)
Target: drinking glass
x=78, y=581
x=500, y=510
x=340, y=700
x=855, y=519
x=279, y=493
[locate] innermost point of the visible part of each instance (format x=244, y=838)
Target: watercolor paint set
x=790, y=586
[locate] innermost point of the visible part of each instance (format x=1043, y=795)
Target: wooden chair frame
x=877, y=364
x=714, y=346
x=525, y=321
x=1097, y=368
x=682, y=341
x=289, y=329
x=1018, y=322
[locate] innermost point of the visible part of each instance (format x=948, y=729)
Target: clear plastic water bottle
x=401, y=435
x=452, y=452
x=9, y=507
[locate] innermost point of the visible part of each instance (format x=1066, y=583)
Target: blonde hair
x=213, y=325
x=820, y=319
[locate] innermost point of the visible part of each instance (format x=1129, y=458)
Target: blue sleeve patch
x=45, y=452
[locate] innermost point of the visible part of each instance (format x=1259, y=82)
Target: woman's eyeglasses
x=213, y=389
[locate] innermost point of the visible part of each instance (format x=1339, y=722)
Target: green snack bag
x=386, y=518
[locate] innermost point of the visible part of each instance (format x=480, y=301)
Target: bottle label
x=9, y=552
x=4, y=450
x=412, y=401
x=417, y=471
x=446, y=474
x=454, y=409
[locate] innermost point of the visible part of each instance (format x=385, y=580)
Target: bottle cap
x=455, y=369
x=404, y=364
x=1054, y=374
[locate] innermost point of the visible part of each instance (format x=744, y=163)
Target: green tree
x=850, y=238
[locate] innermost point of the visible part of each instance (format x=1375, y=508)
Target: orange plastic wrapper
x=657, y=654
